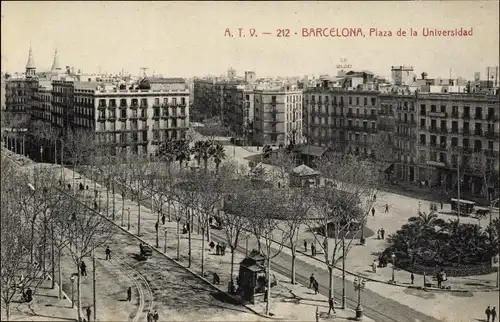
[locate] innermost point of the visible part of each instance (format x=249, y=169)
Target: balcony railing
x=422, y=113
x=438, y=114
x=478, y=132
x=455, y=115
x=478, y=116
x=491, y=135
x=466, y=116
x=492, y=117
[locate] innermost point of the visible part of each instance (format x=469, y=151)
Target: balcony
x=112, y=106
x=112, y=118
x=491, y=135
x=133, y=117
x=466, y=116
x=101, y=118
x=273, y=120
x=478, y=133
x=164, y=116
x=156, y=117
x=455, y=115
x=492, y=118
x=134, y=106
x=436, y=163
x=143, y=106
x=443, y=130
x=422, y=113
x=101, y=107
x=143, y=116
x=422, y=144
x=478, y=116
x=438, y=114
x=123, y=107
x=433, y=129
x=465, y=132
x=454, y=131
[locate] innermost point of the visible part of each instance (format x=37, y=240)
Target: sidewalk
x=214, y=263
x=45, y=306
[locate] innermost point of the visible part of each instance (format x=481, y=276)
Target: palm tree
x=182, y=151
x=201, y=150
x=167, y=152
x=426, y=220
x=218, y=154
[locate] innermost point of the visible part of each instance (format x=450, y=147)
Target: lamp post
x=72, y=278
x=393, y=257
x=359, y=285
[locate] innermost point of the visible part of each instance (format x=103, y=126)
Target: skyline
x=185, y=39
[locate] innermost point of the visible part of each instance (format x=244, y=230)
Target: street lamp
x=72, y=278
x=359, y=285
x=393, y=257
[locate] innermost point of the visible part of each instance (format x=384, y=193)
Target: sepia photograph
x=250, y=161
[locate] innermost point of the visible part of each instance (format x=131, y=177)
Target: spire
x=55, y=65
x=31, y=62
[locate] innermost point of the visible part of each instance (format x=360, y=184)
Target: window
x=144, y=102
x=157, y=101
x=422, y=109
x=490, y=145
x=357, y=100
x=422, y=139
x=442, y=140
x=433, y=108
x=365, y=101
x=165, y=101
x=422, y=123
x=443, y=108
x=183, y=101
x=350, y=100
x=454, y=142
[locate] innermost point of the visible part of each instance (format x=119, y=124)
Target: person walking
x=412, y=277
x=316, y=287
x=311, y=280
x=108, y=253
x=150, y=316
x=493, y=314
x=83, y=269
x=488, y=313
x=163, y=219
x=378, y=234
x=313, y=250
x=330, y=306
x=129, y=294
x=155, y=316
x=373, y=212
x=88, y=312
x=157, y=225
x=305, y=245
x=386, y=208
x=382, y=233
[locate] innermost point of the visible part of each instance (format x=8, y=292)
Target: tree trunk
x=189, y=236
x=113, y=187
x=123, y=207
x=168, y=210
x=205, y=165
x=178, y=238
x=208, y=230
x=294, y=257
x=232, y=263
x=138, y=216
x=78, y=293
x=268, y=302
x=331, y=293
x=157, y=229
x=203, y=252
x=53, y=257
x=107, y=199
x=7, y=311
x=59, y=272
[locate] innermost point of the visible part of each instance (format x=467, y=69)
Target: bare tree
x=265, y=225
x=139, y=183
x=18, y=269
x=80, y=145
x=337, y=213
x=87, y=231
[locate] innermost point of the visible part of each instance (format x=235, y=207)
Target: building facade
x=278, y=116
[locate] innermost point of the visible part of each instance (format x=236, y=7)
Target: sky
x=185, y=39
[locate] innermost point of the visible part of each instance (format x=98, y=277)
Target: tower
x=56, y=67
x=30, y=65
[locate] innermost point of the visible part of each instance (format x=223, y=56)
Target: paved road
x=376, y=307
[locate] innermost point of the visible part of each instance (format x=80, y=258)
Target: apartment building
x=342, y=119
x=452, y=127
x=278, y=115
x=137, y=117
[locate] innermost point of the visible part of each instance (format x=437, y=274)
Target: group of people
x=441, y=277
x=313, y=283
x=153, y=316
x=313, y=248
x=491, y=314
x=220, y=249
x=185, y=228
x=381, y=233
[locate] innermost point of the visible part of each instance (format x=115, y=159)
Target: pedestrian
x=493, y=314
x=216, y=279
x=311, y=280
x=88, y=311
x=331, y=307
x=150, y=316
x=441, y=205
x=440, y=281
x=69, y=186
x=217, y=249
x=373, y=211
x=378, y=234
x=382, y=233
x=81, y=186
x=412, y=277
x=108, y=253
x=375, y=197
x=156, y=225
x=316, y=287
x=305, y=245
x=155, y=315
x=374, y=266
x=60, y=182
x=83, y=269
x=386, y=208
x=313, y=250
x=488, y=313
x=129, y=294
x=163, y=219
x=86, y=187
x=95, y=205
x=211, y=245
